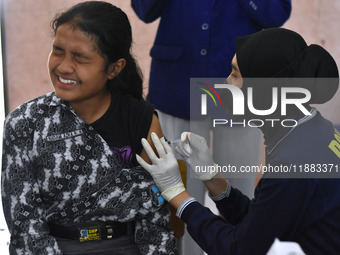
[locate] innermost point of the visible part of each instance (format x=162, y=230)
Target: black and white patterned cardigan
x=56, y=168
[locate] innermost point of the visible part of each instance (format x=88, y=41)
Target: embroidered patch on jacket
x=57, y=137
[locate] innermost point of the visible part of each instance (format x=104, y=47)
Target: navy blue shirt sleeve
x=148, y=10
x=235, y=207
x=276, y=210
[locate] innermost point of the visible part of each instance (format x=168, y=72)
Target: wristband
x=184, y=204
x=224, y=194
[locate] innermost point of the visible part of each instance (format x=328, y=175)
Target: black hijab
x=281, y=53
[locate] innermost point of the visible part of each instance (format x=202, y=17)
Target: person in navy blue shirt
x=196, y=38
x=301, y=206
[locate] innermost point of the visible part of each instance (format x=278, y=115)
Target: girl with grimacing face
x=72, y=184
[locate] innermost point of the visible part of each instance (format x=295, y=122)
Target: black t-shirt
x=123, y=126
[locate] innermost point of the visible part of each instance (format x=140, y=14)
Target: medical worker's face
x=76, y=67
x=235, y=77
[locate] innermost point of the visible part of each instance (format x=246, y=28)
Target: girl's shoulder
x=34, y=108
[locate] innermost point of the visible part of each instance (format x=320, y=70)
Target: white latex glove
x=164, y=169
x=195, y=151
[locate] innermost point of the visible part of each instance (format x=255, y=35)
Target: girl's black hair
x=110, y=30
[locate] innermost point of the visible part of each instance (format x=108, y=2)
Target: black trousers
x=124, y=245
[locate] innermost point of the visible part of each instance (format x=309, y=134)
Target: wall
x=318, y=22
x=29, y=37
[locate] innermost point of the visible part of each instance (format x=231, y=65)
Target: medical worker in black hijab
x=301, y=206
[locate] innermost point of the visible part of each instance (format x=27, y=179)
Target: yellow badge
x=89, y=234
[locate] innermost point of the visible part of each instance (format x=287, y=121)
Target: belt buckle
x=109, y=231
x=89, y=234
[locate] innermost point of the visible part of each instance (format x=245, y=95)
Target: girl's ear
x=116, y=68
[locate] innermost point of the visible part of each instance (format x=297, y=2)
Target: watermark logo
x=204, y=97
x=238, y=100
x=282, y=97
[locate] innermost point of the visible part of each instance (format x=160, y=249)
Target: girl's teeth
x=68, y=81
